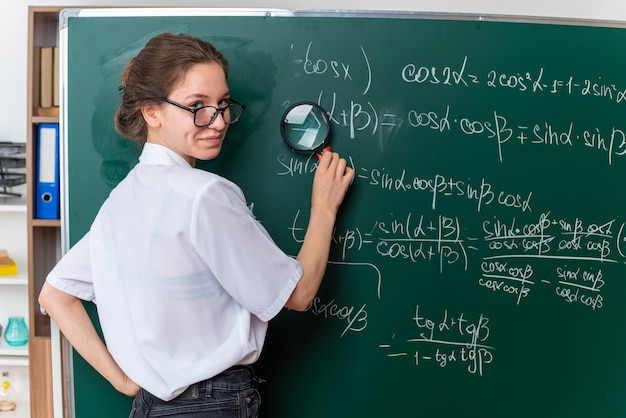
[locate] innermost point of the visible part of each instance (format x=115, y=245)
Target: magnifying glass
x=305, y=127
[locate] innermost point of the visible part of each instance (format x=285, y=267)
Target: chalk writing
x=496, y=127
x=580, y=286
x=446, y=222
x=447, y=341
x=531, y=81
x=312, y=63
x=411, y=73
x=482, y=192
x=362, y=116
x=356, y=320
x=508, y=250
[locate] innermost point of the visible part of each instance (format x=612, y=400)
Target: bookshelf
x=14, y=299
x=44, y=242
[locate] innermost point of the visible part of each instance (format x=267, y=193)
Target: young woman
x=185, y=279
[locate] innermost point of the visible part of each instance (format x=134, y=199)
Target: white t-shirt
x=184, y=277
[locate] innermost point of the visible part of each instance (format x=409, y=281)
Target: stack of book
x=7, y=265
x=12, y=164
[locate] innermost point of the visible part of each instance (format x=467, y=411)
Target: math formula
x=362, y=116
x=449, y=340
x=503, y=234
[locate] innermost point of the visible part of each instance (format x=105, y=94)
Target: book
x=45, y=79
x=56, y=76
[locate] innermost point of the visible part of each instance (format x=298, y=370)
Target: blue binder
x=47, y=185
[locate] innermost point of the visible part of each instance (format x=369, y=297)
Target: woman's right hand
x=331, y=182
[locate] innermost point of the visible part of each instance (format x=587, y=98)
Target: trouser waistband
x=235, y=378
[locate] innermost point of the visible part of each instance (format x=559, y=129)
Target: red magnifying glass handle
x=319, y=154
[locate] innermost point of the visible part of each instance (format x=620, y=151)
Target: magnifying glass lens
x=305, y=127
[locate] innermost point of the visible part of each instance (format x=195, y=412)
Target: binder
x=47, y=175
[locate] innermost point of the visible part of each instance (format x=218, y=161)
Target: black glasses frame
x=217, y=111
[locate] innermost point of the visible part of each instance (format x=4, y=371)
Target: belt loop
x=209, y=388
x=192, y=392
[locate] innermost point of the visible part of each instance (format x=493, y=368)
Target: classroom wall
x=13, y=31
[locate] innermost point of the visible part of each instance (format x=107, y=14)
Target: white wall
x=13, y=30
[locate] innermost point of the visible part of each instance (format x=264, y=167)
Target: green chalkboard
x=478, y=265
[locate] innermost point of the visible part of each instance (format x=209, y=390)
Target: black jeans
x=231, y=394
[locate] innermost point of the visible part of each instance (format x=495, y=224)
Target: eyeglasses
x=206, y=115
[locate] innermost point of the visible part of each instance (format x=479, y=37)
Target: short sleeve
x=240, y=252
x=72, y=274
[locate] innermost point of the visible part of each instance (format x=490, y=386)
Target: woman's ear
x=151, y=115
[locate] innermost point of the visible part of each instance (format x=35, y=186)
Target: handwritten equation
x=448, y=341
x=361, y=115
x=313, y=59
x=505, y=253
x=480, y=192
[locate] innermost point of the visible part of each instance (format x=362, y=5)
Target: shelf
x=22, y=410
x=17, y=280
x=7, y=350
x=45, y=119
x=13, y=356
x=46, y=222
x=12, y=204
x=14, y=361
